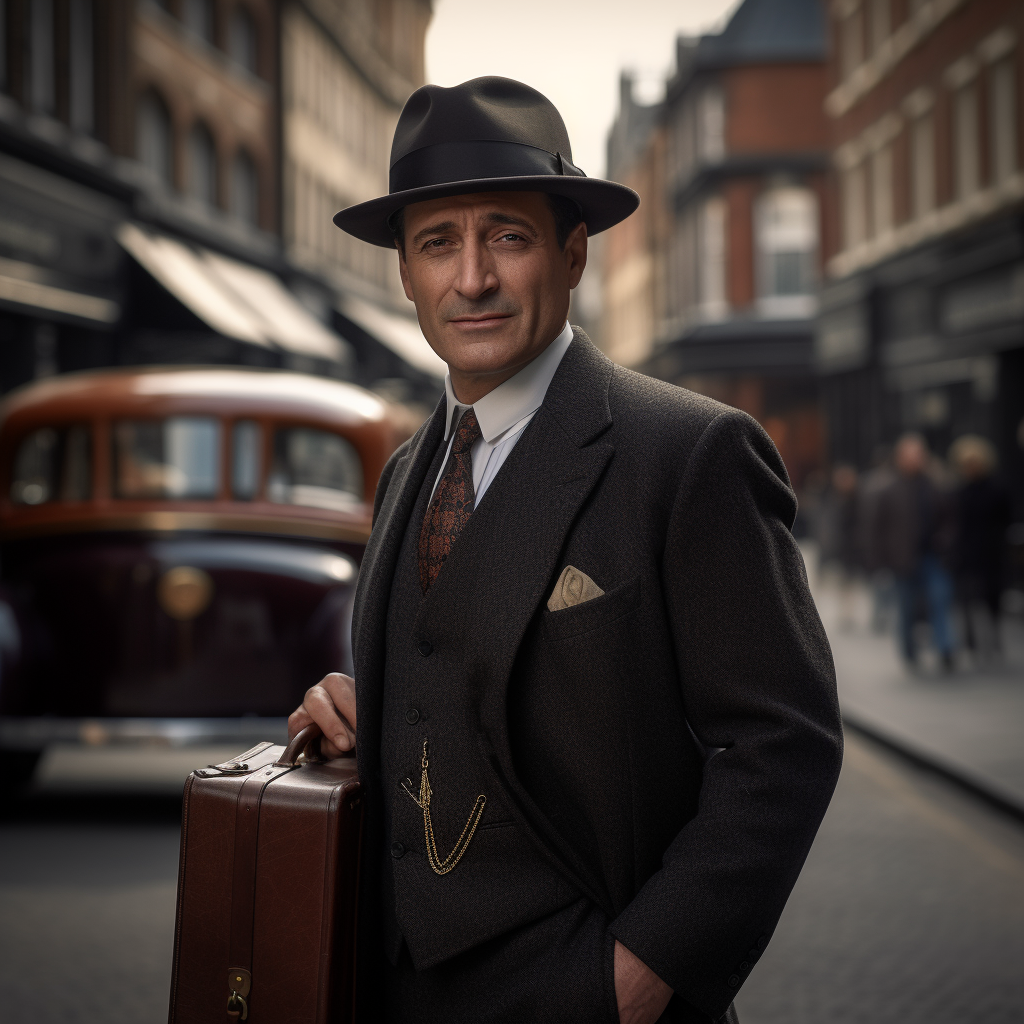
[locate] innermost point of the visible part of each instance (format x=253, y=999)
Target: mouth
x=476, y=323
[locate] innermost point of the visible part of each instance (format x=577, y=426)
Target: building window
x=242, y=40
x=41, y=84
x=786, y=230
x=202, y=165
x=711, y=125
x=154, y=140
x=245, y=198
x=881, y=190
x=1003, y=113
x=966, y=142
x=922, y=165
x=881, y=23
x=851, y=42
x=854, y=206
x=198, y=18
x=80, y=69
x=711, y=260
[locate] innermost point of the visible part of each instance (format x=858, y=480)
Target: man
x=983, y=516
x=914, y=532
x=597, y=719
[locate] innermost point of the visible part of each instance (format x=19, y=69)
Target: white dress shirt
x=503, y=413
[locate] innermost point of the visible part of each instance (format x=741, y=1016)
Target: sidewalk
x=968, y=723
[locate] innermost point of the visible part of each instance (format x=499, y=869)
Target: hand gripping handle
x=306, y=741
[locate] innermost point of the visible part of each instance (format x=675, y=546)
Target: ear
x=403, y=270
x=576, y=253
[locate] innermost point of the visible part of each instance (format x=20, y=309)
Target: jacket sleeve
x=758, y=682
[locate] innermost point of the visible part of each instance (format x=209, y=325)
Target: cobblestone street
x=910, y=909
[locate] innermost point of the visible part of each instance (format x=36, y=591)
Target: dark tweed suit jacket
x=671, y=746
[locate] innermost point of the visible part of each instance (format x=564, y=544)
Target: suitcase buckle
x=239, y=984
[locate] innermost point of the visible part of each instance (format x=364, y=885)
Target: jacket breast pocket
x=590, y=615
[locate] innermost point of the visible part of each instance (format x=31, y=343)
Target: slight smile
x=480, y=323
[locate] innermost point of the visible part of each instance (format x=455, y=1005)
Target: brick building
x=633, y=252
x=150, y=209
x=922, y=324
x=347, y=70
x=741, y=139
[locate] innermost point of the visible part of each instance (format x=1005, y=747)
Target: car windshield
x=178, y=457
x=53, y=464
x=315, y=468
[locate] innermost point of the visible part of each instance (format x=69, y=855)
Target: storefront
x=932, y=341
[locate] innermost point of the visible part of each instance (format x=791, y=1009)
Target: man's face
x=490, y=282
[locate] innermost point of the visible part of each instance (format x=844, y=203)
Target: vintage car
x=178, y=550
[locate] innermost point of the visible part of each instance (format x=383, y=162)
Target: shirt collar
x=515, y=399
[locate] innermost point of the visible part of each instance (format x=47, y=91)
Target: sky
x=571, y=50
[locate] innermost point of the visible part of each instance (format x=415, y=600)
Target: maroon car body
x=179, y=549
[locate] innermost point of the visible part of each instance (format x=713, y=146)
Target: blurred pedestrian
x=837, y=535
x=982, y=520
x=913, y=535
x=873, y=485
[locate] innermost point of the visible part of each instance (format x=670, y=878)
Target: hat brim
x=603, y=203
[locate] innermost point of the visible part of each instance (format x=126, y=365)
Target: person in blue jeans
x=914, y=532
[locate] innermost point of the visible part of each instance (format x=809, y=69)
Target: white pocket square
x=573, y=588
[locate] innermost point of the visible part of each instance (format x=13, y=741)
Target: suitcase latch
x=239, y=983
x=227, y=768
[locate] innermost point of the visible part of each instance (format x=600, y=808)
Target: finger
x=321, y=708
x=297, y=721
x=342, y=690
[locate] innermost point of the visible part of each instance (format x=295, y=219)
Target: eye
x=511, y=236
x=435, y=243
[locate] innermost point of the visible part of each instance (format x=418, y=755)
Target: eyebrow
x=495, y=218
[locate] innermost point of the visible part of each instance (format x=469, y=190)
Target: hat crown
x=490, y=109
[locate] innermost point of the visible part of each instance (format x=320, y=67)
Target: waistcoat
x=502, y=880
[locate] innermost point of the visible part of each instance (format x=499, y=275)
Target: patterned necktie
x=452, y=503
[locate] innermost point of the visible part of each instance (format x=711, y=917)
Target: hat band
x=465, y=161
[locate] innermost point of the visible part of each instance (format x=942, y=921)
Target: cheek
x=533, y=282
x=428, y=285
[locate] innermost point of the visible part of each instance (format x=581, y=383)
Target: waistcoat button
x=397, y=850
x=412, y=716
x=425, y=647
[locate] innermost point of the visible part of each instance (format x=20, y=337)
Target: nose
x=477, y=274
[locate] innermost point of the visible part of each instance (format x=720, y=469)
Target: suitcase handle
x=306, y=741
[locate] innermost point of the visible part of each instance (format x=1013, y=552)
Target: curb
x=969, y=783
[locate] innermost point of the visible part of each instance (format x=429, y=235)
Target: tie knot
x=466, y=434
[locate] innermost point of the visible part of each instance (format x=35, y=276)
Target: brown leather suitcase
x=267, y=883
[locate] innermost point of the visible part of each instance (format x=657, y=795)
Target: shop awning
x=400, y=334
x=234, y=298
x=20, y=285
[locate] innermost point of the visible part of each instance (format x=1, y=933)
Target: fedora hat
x=486, y=135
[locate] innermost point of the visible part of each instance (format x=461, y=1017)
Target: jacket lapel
x=369, y=620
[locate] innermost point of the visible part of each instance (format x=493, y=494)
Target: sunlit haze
x=571, y=51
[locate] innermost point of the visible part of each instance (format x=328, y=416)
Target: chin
x=480, y=355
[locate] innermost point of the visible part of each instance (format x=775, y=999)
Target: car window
x=315, y=468
x=245, y=460
x=178, y=457
x=53, y=464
